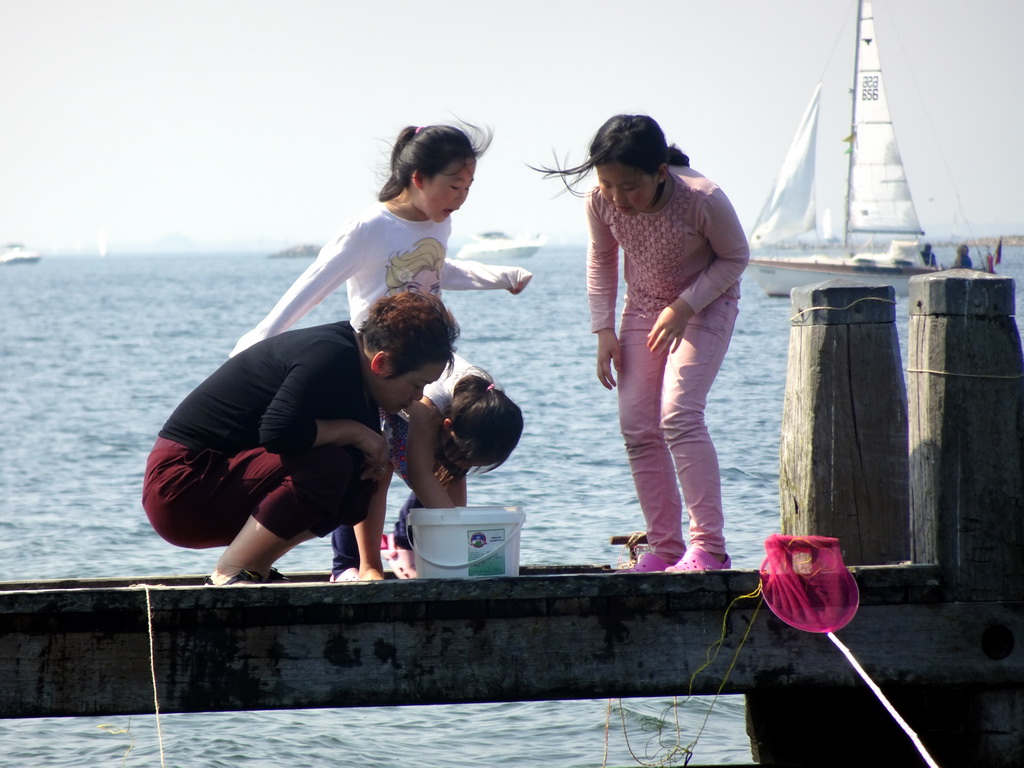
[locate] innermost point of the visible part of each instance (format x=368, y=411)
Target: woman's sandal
x=250, y=577
x=242, y=577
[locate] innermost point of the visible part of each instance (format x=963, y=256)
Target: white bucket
x=466, y=542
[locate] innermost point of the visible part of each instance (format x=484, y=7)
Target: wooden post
x=843, y=472
x=965, y=377
x=843, y=452
x=966, y=385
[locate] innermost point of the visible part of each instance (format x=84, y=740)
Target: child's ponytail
x=486, y=426
x=429, y=150
x=636, y=141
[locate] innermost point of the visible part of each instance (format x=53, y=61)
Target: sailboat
x=878, y=201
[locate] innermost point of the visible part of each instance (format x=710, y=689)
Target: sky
x=267, y=123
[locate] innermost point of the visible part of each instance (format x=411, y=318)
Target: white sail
x=789, y=210
x=878, y=196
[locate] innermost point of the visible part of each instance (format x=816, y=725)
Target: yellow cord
x=677, y=751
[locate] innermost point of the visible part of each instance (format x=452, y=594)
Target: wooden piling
x=965, y=379
x=843, y=451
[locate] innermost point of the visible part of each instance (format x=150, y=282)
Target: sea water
x=96, y=352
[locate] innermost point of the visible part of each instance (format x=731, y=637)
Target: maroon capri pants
x=200, y=499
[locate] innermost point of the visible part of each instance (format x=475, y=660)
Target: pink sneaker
x=403, y=561
x=697, y=559
x=648, y=562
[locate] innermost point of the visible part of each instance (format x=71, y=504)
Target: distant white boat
x=499, y=245
x=878, y=202
x=15, y=253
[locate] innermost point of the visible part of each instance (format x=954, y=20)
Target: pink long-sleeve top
x=694, y=248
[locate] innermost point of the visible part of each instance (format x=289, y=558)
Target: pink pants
x=661, y=414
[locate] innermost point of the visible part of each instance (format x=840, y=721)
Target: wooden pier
x=942, y=591
x=86, y=650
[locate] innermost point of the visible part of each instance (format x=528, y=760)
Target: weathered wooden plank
x=195, y=580
x=86, y=651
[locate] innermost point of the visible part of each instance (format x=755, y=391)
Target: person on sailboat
x=963, y=260
x=684, y=251
x=928, y=255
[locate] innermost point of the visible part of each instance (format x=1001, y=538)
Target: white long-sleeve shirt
x=378, y=254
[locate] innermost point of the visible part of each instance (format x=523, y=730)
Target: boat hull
x=18, y=256
x=778, y=276
x=496, y=245
x=482, y=251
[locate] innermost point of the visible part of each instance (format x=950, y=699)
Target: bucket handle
x=457, y=566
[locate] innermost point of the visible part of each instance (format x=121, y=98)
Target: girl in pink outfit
x=683, y=253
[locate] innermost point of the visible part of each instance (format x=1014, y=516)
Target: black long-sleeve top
x=271, y=394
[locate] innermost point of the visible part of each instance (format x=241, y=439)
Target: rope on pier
x=152, y=669
x=968, y=375
x=840, y=309
x=152, y=672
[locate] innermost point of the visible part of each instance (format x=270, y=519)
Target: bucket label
x=483, y=560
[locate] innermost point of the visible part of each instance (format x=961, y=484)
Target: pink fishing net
x=805, y=583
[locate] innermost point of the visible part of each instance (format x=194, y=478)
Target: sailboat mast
x=853, y=121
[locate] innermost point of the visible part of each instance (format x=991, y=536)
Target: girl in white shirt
x=400, y=243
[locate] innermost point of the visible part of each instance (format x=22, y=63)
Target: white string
x=853, y=303
x=885, y=702
x=152, y=671
x=968, y=375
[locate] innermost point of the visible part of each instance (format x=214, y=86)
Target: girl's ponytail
x=486, y=426
x=677, y=157
x=429, y=150
x=636, y=141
